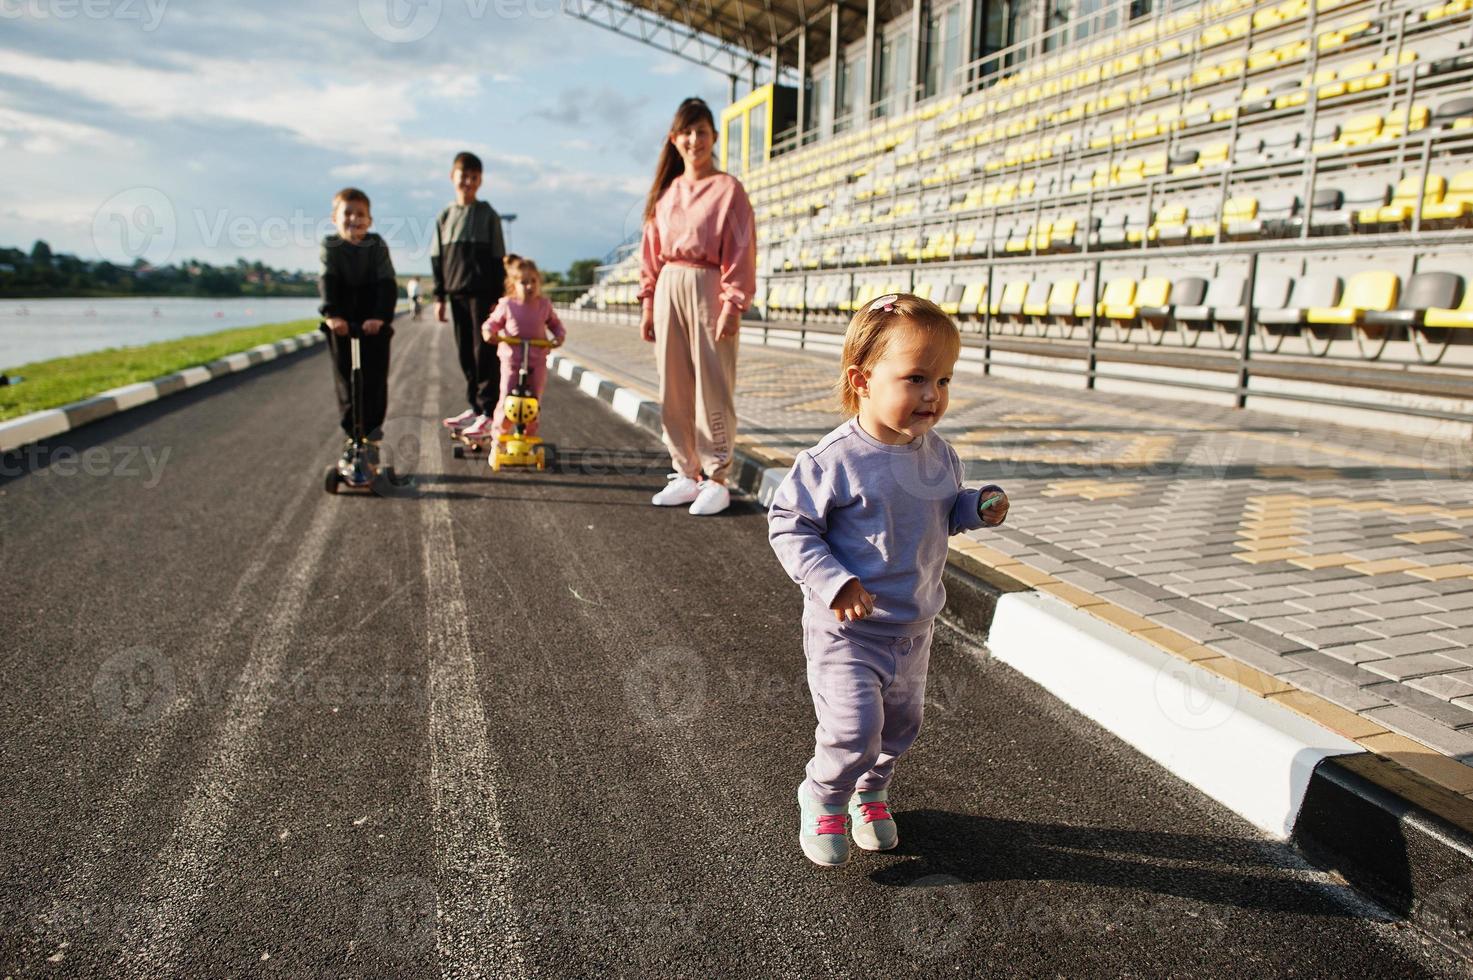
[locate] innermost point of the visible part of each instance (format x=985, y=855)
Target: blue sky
x=173, y=129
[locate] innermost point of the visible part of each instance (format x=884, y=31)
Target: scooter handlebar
x=502, y=338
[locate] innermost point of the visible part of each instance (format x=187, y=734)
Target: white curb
x=1248, y=753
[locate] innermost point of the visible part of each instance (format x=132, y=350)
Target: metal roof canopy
x=732, y=36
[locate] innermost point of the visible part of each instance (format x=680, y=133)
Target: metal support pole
x=869, y=63
x=833, y=69
x=987, y=324
x=802, y=85
x=917, y=79
x=1250, y=322
x=969, y=13
x=1094, y=330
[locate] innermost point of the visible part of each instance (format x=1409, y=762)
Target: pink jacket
x=533, y=319
x=707, y=222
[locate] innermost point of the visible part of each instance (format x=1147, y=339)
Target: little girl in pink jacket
x=522, y=312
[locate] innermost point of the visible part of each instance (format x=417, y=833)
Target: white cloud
x=47, y=135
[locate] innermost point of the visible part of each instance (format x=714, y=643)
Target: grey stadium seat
x=1341, y=220
x=1452, y=110
x=1279, y=143
x=1316, y=289
x=1224, y=292
x=1424, y=291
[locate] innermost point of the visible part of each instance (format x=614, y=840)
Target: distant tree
x=580, y=273
x=41, y=253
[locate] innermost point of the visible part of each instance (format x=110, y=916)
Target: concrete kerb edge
x=1235, y=730
x=17, y=433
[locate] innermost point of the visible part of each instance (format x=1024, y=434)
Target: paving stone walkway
x=1334, y=560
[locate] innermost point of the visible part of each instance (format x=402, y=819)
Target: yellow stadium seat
x=1400, y=122
x=971, y=299
x=1373, y=289
x=1239, y=209
x=1358, y=131
x=1404, y=201
x=1456, y=203
x=1172, y=220
x=1460, y=317
x=1118, y=300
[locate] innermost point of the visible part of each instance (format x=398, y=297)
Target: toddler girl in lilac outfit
x=861, y=523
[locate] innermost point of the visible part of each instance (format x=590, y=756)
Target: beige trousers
x=697, y=374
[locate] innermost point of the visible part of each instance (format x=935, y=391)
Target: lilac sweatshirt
x=853, y=507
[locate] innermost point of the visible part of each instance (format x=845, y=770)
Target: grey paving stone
x=1331, y=636
x=1335, y=587
x=1256, y=656
x=1353, y=653
x=1400, y=668
x=1463, y=637
x=1043, y=562
x=1148, y=590
x=1326, y=603
x=1349, y=673
x=1401, y=593
x=1249, y=611
x=1138, y=603
x=1083, y=580
x=1450, y=601
x=1267, y=639
x=1449, y=741
x=1454, y=619
x=1194, y=629
x=1449, y=586
x=1407, y=696
x=1401, y=609
x=1405, y=646
x=1347, y=696
x=1385, y=551
x=1405, y=626
x=1282, y=625
x=1159, y=567
x=1209, y=574
x=1444, y=686
x=1347, y=616
x=1463, y=655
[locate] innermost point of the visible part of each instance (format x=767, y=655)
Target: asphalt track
x=530, y=726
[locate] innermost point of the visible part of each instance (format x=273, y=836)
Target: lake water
x=40, y=329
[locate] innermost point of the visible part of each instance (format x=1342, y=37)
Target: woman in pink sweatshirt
x=522, y=312
x=698, y=275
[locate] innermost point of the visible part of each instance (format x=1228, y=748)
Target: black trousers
x=373, y=357
x=478, y=359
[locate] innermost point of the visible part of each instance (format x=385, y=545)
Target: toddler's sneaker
x=712, y=498
x=460, y=421
x=869, y=816
x=479, y=428
x=821, y=831
x=679, y=491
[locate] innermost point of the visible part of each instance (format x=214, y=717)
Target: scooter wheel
x=459, y=451
x=541, y=459
x=495, y=461
x=549, y=456
x=331, y=480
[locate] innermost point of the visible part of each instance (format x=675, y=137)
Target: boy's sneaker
x=460, y=421
x=712, y=498
x=822, y=832
x=873, y=827
x=348, y=452
x=679, y=491
x=479, y=428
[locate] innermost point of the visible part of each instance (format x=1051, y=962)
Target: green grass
x=50, y=384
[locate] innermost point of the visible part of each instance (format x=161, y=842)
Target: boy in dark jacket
x=358, y=286
x=466, y=257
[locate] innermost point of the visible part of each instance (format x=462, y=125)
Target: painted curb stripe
x=19, y=432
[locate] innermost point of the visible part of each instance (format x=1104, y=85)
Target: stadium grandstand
x=1269, y=200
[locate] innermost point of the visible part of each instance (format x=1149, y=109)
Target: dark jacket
x=467, y=252
x=357, y=281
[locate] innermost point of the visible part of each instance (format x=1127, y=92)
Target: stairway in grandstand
x=1295, y=177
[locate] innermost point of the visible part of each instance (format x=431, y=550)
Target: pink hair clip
x=886, y=303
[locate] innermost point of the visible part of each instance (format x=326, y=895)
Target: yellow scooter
x=516, y=448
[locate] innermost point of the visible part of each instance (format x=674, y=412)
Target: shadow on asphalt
x=966, y=848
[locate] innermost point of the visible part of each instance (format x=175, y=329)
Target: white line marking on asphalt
x=475, y=920
x=185, y=863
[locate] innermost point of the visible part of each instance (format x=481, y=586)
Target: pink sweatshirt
x=533, y=319
x=708, y=222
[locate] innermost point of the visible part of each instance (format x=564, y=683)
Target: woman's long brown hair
x=691, y=112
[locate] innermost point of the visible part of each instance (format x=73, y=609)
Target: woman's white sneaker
x=712, y=498
x=680, y=491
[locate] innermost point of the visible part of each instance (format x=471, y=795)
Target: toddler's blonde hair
x=876, y=325
x=516, y=267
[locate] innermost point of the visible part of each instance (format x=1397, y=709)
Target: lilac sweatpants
x=869, y=692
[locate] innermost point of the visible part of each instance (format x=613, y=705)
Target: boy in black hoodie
x=466, y=257
x=358, y=286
